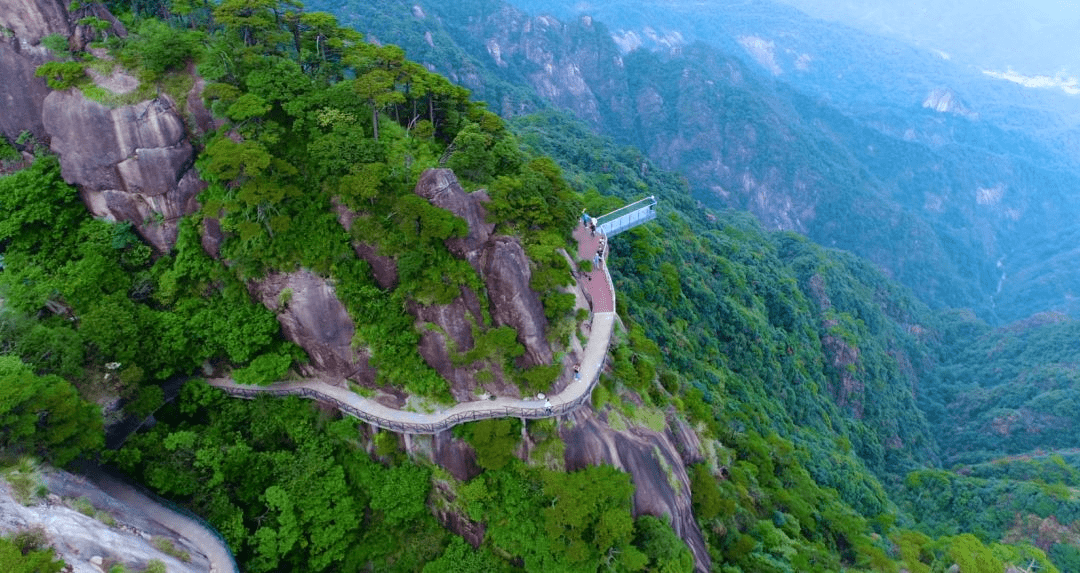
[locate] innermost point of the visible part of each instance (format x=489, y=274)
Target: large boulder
x=442, y=189
x=132, y=163
x=31, y=20
x=500, y=260
x=22, y=94
x=513, y=302
x=312, y=317
x=654, y=463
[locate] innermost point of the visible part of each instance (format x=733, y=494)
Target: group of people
x=590, y=222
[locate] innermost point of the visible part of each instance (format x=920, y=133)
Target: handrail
x=649, y=201
x=557, y=409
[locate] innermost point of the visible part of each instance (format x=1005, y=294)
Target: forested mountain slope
x=761, y=393
x=954, y=185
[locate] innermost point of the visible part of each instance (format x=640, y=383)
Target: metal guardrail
x=420, y=427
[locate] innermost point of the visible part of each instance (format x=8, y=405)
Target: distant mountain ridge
x=845, y=153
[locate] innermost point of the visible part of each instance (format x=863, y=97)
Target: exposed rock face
x=79, y=538
x=455, y=456
x=21, y=93
x=132, y=163
x=944, y=100
x=454, y=331
x=513, y=302
x=313, y=317
x=382, y=267
x=500, y=260
x=639, y=452
x=32, y=20
x=441, y=188
x=572, y=65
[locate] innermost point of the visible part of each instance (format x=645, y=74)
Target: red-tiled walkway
x=597, y=282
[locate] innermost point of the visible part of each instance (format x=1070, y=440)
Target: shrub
x=264, y=369
x=61, y=75
x=157, y=48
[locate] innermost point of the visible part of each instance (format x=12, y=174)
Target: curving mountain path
x=596, y=283
x=208, y=541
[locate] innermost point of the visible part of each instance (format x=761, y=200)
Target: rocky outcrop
x=506, y=274
x=575, y=65
x=500, y=260
x=312, y=317
x=21, y=93
x=454, y=324
x=943, y=100
x=31, y=20
x=442, y=189
x=85, y=542
x=661, y=484
x=132, y=163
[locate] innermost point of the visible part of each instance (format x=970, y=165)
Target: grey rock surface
x=132, y=163
x=312, y=317
x=32, y=20
x=506, y=274
x=500, y=260
x=654, y=463
x=79, y=538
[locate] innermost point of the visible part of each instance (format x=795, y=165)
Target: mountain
x=1033, y=39
x=361, y=225
x=834, y=134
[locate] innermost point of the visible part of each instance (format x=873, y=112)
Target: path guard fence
x=628, y=217
x=176, y=508
x=536, y=413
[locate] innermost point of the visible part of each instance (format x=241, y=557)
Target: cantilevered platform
x=628, y=217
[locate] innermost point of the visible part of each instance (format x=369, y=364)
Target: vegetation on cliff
x=794, y=365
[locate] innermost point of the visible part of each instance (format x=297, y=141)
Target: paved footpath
x=597, y=284
x=221, y=560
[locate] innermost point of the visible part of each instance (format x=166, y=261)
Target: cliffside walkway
x=183, y=522
x=596, y=283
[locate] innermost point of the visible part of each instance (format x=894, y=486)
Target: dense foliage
x=25, y=553
x=803, y=362
x=290, y=490
x=798, y=367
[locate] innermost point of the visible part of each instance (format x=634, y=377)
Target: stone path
x=596, y=283
x=216, y=551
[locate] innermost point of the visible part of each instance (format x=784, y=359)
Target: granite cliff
x=130, y=163
x=92, y=530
